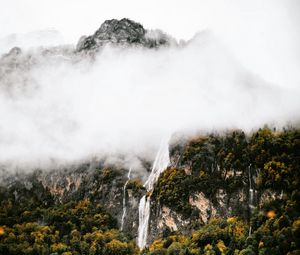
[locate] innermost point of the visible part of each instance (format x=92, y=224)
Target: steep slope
x=226, y=192
x=245, y=179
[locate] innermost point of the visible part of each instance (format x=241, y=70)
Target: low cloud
x=56, y=106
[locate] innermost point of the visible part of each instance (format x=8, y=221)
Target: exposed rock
x=269, y=195
x=167, y=219
x=131, y=222
x=222, y=204
x=122, y=32
x=205, y=207
x=164, y=220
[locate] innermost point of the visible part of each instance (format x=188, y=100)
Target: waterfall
x=250, y=231
x=281, y=194
x=251, y=197
x=161, y=162
x=144, y=214
x=124, y=199
x=251, y=190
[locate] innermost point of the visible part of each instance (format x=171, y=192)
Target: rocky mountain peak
x=122, y=32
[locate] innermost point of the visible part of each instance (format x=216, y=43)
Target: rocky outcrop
x=204, y=205
x=165, y=220
x=123, y=32
x=131, y=222
x=100, y=184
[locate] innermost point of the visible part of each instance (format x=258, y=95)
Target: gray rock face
x=102, y=185
x=164, y=220
x=122, y=32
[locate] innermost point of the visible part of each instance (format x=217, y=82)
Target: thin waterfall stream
x=161, y=162
x=251, y=189
x=124, y=199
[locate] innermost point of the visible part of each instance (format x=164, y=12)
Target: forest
x=33, y=222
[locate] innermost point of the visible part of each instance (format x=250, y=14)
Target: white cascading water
x=161, y=162
x=251, y=190
x=124, y=199
x=281, y=194
x=251, y=196
x=144, y=214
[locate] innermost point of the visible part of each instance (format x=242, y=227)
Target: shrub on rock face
x=173, y=190
x=275, y=175
x=116, y=247
x=135, y=185
x=174, y=249
x=247, y=251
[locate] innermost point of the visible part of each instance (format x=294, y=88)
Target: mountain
x=123, y=32
x=225, y=192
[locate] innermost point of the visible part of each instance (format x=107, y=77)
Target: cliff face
x=105, y=185
x=205, y=180
x=195, y=206
x=217, y=176
x=99, y=184
x=196, y=187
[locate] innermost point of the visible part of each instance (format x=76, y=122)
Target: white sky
x=263, y=34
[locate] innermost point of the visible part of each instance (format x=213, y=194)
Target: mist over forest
x=134, y=140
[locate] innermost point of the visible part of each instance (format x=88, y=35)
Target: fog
x=237, y=68
x=60, y=108
x=263, y=35
x=45, y=38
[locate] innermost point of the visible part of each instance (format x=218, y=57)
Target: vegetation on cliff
x=275, y=229
x=267, y=160
x=34, y=221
